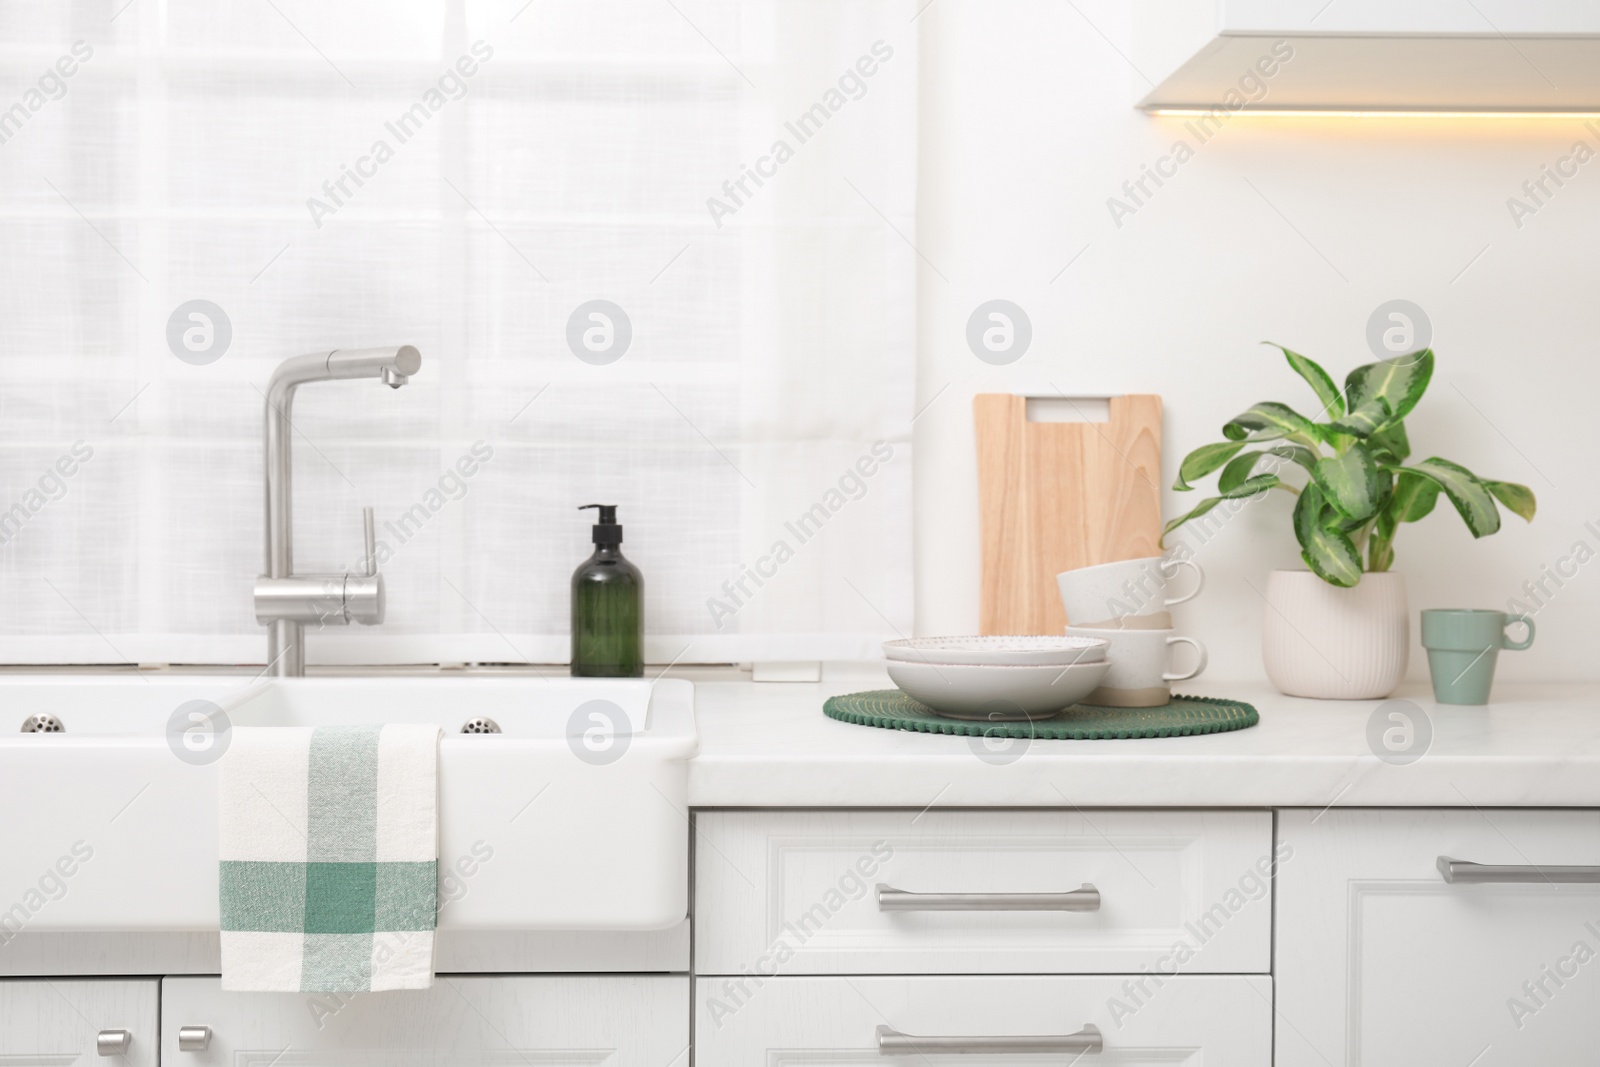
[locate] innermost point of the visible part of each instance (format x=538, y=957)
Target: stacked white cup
x=1126, y=604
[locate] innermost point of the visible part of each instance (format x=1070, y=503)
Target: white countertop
x=769, y=745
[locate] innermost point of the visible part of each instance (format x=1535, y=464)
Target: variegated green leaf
x=1386, y=480
x=1308, y=509
x=1326, y=549
x=1351, y=483
x=1365, y=420
x=1203, y=460
x=1398, y=382
x=1472, y=500
x=1332, y=556
x=1343, y=524
x=1250, y=487
x=1268, y=421
x=1242, y=467
x=1519, y=498
x=1319, y=380
x=1414, y=497
x=1391, y=445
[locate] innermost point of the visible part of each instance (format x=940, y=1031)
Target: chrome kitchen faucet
x=286, y=601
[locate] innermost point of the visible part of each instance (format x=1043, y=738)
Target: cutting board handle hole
x=1069, y=409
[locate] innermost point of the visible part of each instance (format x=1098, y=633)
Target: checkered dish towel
x=329, y=858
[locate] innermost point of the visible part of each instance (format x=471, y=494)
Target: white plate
x=1009, y=651
x=997, y=693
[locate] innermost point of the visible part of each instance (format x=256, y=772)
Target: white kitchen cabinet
x=56, y=1021
x=787, y=1022
x=796, y=892
x=566, y=1021
x=1380, y=962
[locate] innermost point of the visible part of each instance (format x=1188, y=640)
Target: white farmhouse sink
x=539, y=829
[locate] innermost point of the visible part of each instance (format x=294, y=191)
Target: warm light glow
x=1377, y=114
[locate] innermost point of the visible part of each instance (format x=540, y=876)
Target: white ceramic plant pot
x=1336, y=644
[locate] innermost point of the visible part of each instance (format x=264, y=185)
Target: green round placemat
x=891, y=709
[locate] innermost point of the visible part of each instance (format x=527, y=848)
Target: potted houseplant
x=1341, y=628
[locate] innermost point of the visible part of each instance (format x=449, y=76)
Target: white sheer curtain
x=463, y=177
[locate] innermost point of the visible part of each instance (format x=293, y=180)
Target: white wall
x=1027, y=129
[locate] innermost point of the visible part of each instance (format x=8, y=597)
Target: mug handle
x=1517, y=646
x=1198, y=667
x=1199, y=579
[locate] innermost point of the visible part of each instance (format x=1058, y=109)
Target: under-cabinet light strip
x=1381, y=113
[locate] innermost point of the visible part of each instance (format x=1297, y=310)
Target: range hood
x=1368, y=55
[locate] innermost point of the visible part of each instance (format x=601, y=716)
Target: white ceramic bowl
x=1009, y=651
x=997, y=693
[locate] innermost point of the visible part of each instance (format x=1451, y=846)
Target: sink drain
x=42, y=724
x=480, y=725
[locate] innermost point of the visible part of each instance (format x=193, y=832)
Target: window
x=655, y=253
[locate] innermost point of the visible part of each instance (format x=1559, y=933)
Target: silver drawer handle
x=194, y=1038
x=1465, y=872
x=892, y=899
x=892, y=1042
x=113, y=1042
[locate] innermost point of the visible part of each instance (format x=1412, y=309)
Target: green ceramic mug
x=1462, y=645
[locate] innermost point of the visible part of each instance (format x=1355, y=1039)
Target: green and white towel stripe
x=329, y=858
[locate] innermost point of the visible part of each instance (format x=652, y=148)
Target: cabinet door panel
x=569, y=1021
x=807, y=1021
x=54, y=1022
x=794, y=892
x=1381, y=963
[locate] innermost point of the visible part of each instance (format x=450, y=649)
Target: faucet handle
x=363, y=593
x=371, y=569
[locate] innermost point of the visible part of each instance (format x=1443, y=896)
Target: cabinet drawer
x=634, y=1021
x=1382, y=962
x=58, y=1021
x=797, y=892
x=788, y=1022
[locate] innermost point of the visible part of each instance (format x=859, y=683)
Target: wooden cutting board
x=1057, y=495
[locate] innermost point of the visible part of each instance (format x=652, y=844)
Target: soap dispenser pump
x=607, y=606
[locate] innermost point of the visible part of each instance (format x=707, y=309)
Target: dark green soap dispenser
x=607, y=607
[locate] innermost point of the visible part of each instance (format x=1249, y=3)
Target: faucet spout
x=385, y=363
x=281, y=604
